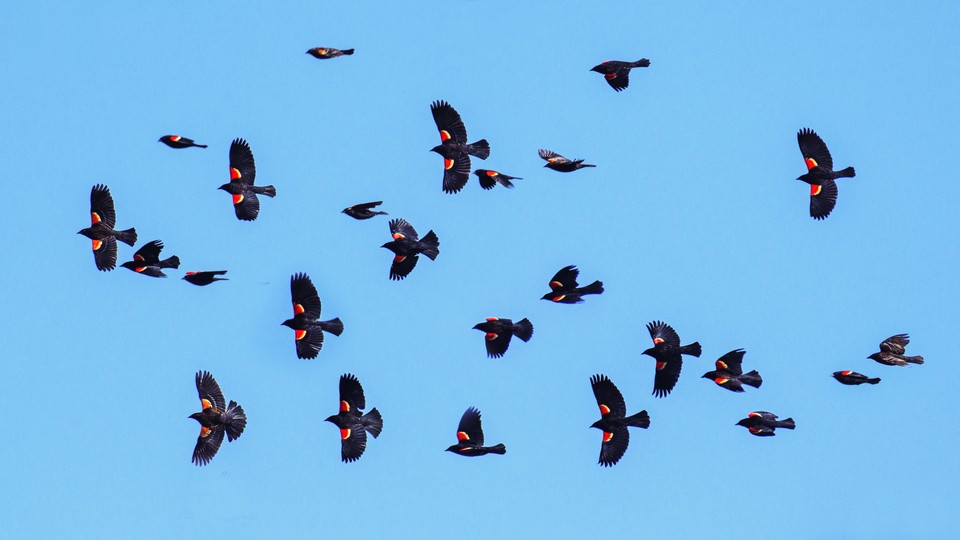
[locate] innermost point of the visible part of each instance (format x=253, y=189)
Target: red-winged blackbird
x=406, y=246
x=892, y=352
x=147, y=261
x=363, y=211
x=353, y=424
x=470, y=437
x=559, y=163
x=176, y=141
x=307, y=328
x=729, y=373
x=103, y=218
x=666, y=351
x=216, y=417
x=617, y=73
x=327, y=52
x=614, y=420
x=489, y=178
x=763, y=423
x=454, y=148
x=565, y=289
x=853, y=378
x=205, y=277
x=499, y=331
x=820, y=174
x=243, y=172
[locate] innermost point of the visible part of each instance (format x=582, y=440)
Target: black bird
x=617, y=73
x=489, y=179
x=666, y=351
x=406, y=246
x=852, y=378
x=243, y=173
x=763, y=423
x=499, y=331
x=363, y=211
x=470, y=437
x=147, y=261
x=327, y=52
x=454, y=148
x=216, y=417
x=205, y=277
x=893, y=352
x=176, y=141
x=561, y=164
x=353, y=424
x=614, y=420
x=820, y=174
x=729, y=373
x=103, y=218
x=566, y=290
x=307, y=328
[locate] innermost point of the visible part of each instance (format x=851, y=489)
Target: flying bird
x=499, y=331
x=363, y=211
x=327, y=52
x=852, y=378
x=470, y=437
x=820, y=174
x=205, y=277
x=614, y=420
x=147, y=261
x=893, y=352
x=667, y=352
x=103, y=218
x=307, y=328
x=729, y=373
x=489, y=179
x=617, y=73
x=406, y=246
x=561, y=164
x=243, y=172
x=353, y=424
x=454, y=148
x=176, y=141
x=216, y=417
x=764, y=424
x=564, y=288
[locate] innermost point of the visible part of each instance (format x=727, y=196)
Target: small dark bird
x=820, y=174
x=147, y=261
x=488, y=179
x=307, y=328
x=666, y=351
x=559, y=163
x=176, y=141
x=454, y=148
x=763, y=423
x=893, y=350
x=326, y=52
x=470, y=437
x=363, y=211
x=499, y=332
x=205, y=277
x=406, y=246
x=617, y=73
x=852, y=378
x=565, y=289
x=614, y=420
x=243, y=172
x=729, y=374
x=216, y=417
x=103, y=218
x=353, y=424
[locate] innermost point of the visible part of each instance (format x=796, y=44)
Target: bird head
x=597, y=68
x=86, y=232
x=453, y=448
x=195, y=416
x=437, y=149
x=288, y=323
x=709, y=375
x=344, y=211
x=335, y=419
x=132, y=265
x=650, y=352
x=875, y=356
x=745, y=422
x=597, y=424
x=225, y=187
x=479, y=326
x=392, y=246
x=549, y=296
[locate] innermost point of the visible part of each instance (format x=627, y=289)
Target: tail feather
x=788, y=423
x=334, y=326
x=498, y=449
x=640, y=420
x=347, y=51
x=431, y=245
x=913, y=359
x=372, y=422
x=523, y=329
x=643, y=62
x=692, y=349
x=752, y=378
x=481, y=149
x=849, y=172
x=128, y=237
x=172, y=262
x=269, y=191
x=235, y=420
x=874, y=380
x=594, y=288
x=380, y=214
x=200, y=145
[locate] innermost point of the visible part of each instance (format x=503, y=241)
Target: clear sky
x=692, y=216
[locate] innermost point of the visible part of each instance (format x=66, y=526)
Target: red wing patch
x=462, y=436
x=140, y=269
x=97, y=244
x=720, y=380
x=234, y=173
x=447, y=163
x=204, y=432
x=661, y=365
x=607, y=436
x=238, y=198
x=492, y=173
x=138, y=257
x=657, y=340
x=175, y=138
x=610, y=76
x=492, y=319
x=191, y=273
x=491, y=336
x=399, y=259
x=810, y=162
x=94, y=218
x=559, y=298
x=754, y=414
x=345, y=433
x=721, y=364
x=205, y=404
x=444, y=136
x=845, y=372
x=299, y=334
x=397, y=236
x=556, y=285
x=321, y=51
x=297, y=309
x=815, y=190
x=344, y=406
x=604, y=410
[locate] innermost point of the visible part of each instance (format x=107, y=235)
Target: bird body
x=323, y=53
x=353, y=423
x=820, y=174
x=852, y=378
x=499, y=331
x=470, y=437
x=764, y=424
x=561, y=164
x=243, y=173
x=566, y=290
x=176, y=141
x=103, y=219
x=613, y=420
x=206, y=277
x=617, y=73
x=147, y=261
x=729, y=373
x=453, y=146
x=216, y=418
x=489, y=179
x=363, y=211
x=668, y=352
x=406, y=247
x=892, y=352
x=307, y=328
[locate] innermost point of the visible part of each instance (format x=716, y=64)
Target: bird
x=454, y=148
x=614, y=420
x=893, y=352
x=215, y=418
x=820, y=174
x=852, y=378
x=764, y=424
x=566, y=290
x=667, y=352
x=730, y=375
x=617, y=73
x=470, y=437
x=176, y=141
x=103, y=218
x=307, y=328
x=499, y=331
x=243, y=172
x=353, y=424
x=561, y=164
x=489, y=179
x=327, y=52
x=205, y=277
x=147, y=261
x=406, y=246
x=363, y=211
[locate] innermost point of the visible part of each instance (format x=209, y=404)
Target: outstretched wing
x=209, y=391
x=101, y=206
x=609, y=398
x=448, y=122
x=351, y=394
x=304, y=296
x=731, y=362
x=399, y=228
x=242, y=167
x=661, y=332
x=814, y=150
x=470, y=431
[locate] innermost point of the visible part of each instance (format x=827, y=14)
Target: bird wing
x=353, y=441
x=149, y=253
x=105, y=253
x=209, y=391
x=101, y=206
x=242, y=167
x=402, y=265
x=814, y=150
x=661, y=332
x=448, y=122
x=609, y=398
x=552, y=157
x=309, y=341
x=246, y=205
x=207, y=444
x=667, y=375
x=456, y=173
x=565, y=279
x=731, y=362
x=469, y=431
x=614, y=446
x=896, y=344
x=304, y=296
x=399, y=228
x=498, y=341
x=351, y=394
x=619, y=79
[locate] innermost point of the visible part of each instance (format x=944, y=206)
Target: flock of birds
x=218, y=418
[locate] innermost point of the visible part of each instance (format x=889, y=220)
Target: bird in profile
x=729, y=373
x=147, y=261
x=820, y=174
x=243, y=173
x=564, y=288
x=406, y=247
x=176, y=141
x=328, y=52
x=667, y=352
x=764, y=424
x=454, y=148
x=561, y=164
x=489, y=179
x=499, y=331
x=215, y=418
x=893, y=352
x=205, y=277
x=470, y=437
x=614, y=420
x=103, y=219
x=307, y=328
x=617, y=73
x=363, y=211
x=353, y=424
x=852, y=378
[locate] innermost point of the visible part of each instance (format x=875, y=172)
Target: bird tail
x=913, y=359
x=594, y=288
x=380, y=214
x=504, y=182
x=200, y=145
x=874, y=380
x=235, y=420
x=481, y=149
x=752, y=378
x=847, y=173
x=640, y=420
x=334, y=326
x=643, y=62
x=523, y=329
x=498, y=449
x=788, y=423
x=347, y=52
x=128, y=237
x=269, y=191
x=372, y=422
x=692, y=349
x=172, y=262
x=431, y=245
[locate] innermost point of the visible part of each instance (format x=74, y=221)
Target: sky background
x=692, y=216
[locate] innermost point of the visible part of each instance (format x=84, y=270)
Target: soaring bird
x=307, y=328
x=617, y=73
x=666, y=351
x=328, y=52
x=614, y=420
x=206, y=277
x=363, y=211
x=489, y=179
x=147, y=261
x=243, y=172
x=764, y=424
x=454, y=148
x=820, y=174
x=561, y=164
x=353, y=424
x=564, y=288
x=893, y=352
x=176, y=141
x=499, y=331
x=103, y=218
x=406, y=246
x=470, y=437
x=852, y=378
x=216, y=417
x=729, y=373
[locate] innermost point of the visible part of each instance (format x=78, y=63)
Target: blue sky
x=692, y=216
